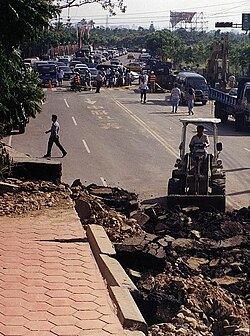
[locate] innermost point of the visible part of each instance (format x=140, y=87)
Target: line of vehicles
x=236, y=105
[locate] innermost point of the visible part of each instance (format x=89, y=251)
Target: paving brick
x=13, y=311
x=60, y=293
x=88, y=315
x=61, y=311
x=84, y=305
x=83, y=297
x=64, y=320
x=60, y=302
x=14, y=331
x=37, y=316
x=66, y=330
x=39, y=325
x=88, y=324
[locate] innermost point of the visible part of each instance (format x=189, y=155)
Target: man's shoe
x=46, y=156
x=64, y=154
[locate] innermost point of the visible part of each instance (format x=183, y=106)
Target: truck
x=163, y=73
x=236, y=106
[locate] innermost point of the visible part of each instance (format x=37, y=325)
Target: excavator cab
x=198, y=178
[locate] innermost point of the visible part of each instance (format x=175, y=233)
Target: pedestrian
x=60, y=76
x=143, y=89
x=190, y=100
x=152, y=81
x=175, y=97
x=54, y=137
x=99, y=81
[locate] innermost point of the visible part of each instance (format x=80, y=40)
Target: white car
x=81, y=65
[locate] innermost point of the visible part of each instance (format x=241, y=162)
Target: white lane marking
x=247, y=149
x=86, y=146
x=89, y=101
x=103, y=181
x=10, y=140
x=74, y=121
x=66, y=103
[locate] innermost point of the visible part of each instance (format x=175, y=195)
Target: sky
x=144, y=12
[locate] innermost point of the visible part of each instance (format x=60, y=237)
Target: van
x=47, y=72
x=184, y=79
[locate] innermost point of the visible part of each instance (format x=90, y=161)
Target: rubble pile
x=192, y=270
x=93, y=207
x=191, y=267
x=19, y=197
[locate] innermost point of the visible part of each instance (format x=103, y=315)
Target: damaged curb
x=119, y=284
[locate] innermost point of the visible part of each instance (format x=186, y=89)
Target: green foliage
x=22, y=20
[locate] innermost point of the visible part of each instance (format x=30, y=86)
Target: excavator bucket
x=204, y=202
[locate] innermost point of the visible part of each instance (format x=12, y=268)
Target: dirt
x=191, y=267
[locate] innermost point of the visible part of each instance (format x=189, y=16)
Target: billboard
x=176, y=17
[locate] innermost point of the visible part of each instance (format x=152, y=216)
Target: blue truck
x=237, y=106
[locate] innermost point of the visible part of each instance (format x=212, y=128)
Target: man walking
x=54, y=137
x=175, y=97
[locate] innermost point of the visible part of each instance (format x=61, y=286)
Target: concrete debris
x=19, y=197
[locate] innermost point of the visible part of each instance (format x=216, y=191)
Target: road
x=112, y=139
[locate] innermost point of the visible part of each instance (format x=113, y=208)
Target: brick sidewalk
x=49, y=281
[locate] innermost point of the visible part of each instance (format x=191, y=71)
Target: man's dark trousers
x=57, y=142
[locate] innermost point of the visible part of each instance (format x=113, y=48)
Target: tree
x=106, y=4
x=20, y=20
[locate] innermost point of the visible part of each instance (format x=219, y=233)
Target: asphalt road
x=112, y=139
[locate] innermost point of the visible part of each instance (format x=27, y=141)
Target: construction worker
x=76, y=83
x=152, y=81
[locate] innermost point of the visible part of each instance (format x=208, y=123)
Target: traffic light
x=223, y=24
x=245, y=21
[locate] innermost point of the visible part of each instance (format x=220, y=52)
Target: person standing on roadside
x=175, y=97
x=143, y=89
x=190, y=100
x=54, y=137
x=60, y=76
x=99, y=82
x=152, y=81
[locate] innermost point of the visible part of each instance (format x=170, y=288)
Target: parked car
x=134, y=66
x=115, y=61
x=68, y=73
x=131, y=56
x=81, y=66
x=72, y=64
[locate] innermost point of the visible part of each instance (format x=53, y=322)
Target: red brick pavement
x=49, y=281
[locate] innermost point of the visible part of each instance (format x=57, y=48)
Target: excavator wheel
x=174, y=186
x=218, y=186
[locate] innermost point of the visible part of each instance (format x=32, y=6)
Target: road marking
x=247, y=149
x=66, y=102
x=103, y=181
x=89, y=101
x=10, y=140
x=161, y=140
x=74, y=121
x=86, y=146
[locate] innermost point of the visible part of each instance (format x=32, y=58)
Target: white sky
x=143, y=12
